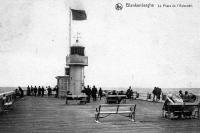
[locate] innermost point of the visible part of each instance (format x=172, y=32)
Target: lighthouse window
x=78, y=50
x=75, y=51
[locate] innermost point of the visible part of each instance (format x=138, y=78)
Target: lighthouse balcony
x=77, y=60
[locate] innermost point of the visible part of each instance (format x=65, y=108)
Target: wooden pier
x=52, y=115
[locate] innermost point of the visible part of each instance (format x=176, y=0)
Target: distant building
x=63, y=85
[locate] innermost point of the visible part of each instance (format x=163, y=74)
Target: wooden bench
x=78, y=99
x=191, y=110
x=7, y=100
x=8, y=105
x=104, y=110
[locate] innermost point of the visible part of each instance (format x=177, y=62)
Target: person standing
x=32, y=90
x=129, y=93
x=94, y=93
x=158, y=93
x=100, y=93
x=35, y=91
x=42, y=89
x=56, y=91
x=154, y=93
x=39, y=91
x=49, y=90
x=28, y=91
x=88, y=92
x=21, y=91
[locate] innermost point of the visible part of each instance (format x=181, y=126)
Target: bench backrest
x=116, y=107
x=9, y=97
x=108, y=109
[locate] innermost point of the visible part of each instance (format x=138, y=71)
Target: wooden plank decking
x=37, y=114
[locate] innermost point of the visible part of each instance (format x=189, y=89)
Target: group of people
x=39, y=91
x=187, y=97
x=92, y=92
x=156, y=93
x=19, y=92
x=179, y=100
x=129, y=93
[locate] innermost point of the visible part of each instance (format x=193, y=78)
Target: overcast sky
x=142, y=47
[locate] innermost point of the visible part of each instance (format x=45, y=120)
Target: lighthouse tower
x=76, y=61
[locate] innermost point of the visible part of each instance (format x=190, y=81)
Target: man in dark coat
x=39, y=91
x=94, y=93
x=154, y=93
x=42, y=91
x=88, y=93
x=129, y=92
x=35, y=91
x=158, y=93
x=32, y=90
x=21, y=91
x=28, y=91
x=49, y=91
x=100, y=93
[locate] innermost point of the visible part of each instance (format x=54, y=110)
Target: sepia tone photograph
x=100, y=66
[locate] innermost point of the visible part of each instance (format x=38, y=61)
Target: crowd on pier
x=92, y=92
x=37, y=91
x=97, y=93
x=40, y=91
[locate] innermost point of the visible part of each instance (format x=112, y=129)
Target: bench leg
x=66, y=102
x=196, y=114
x=165, y=114
x=132, y=117
x=97, y=117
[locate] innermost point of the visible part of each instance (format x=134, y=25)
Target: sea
x=195, y=91
x=7, y=89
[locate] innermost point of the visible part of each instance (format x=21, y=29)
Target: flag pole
x=69, y=28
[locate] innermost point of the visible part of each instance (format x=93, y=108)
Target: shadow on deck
x=37, y=114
